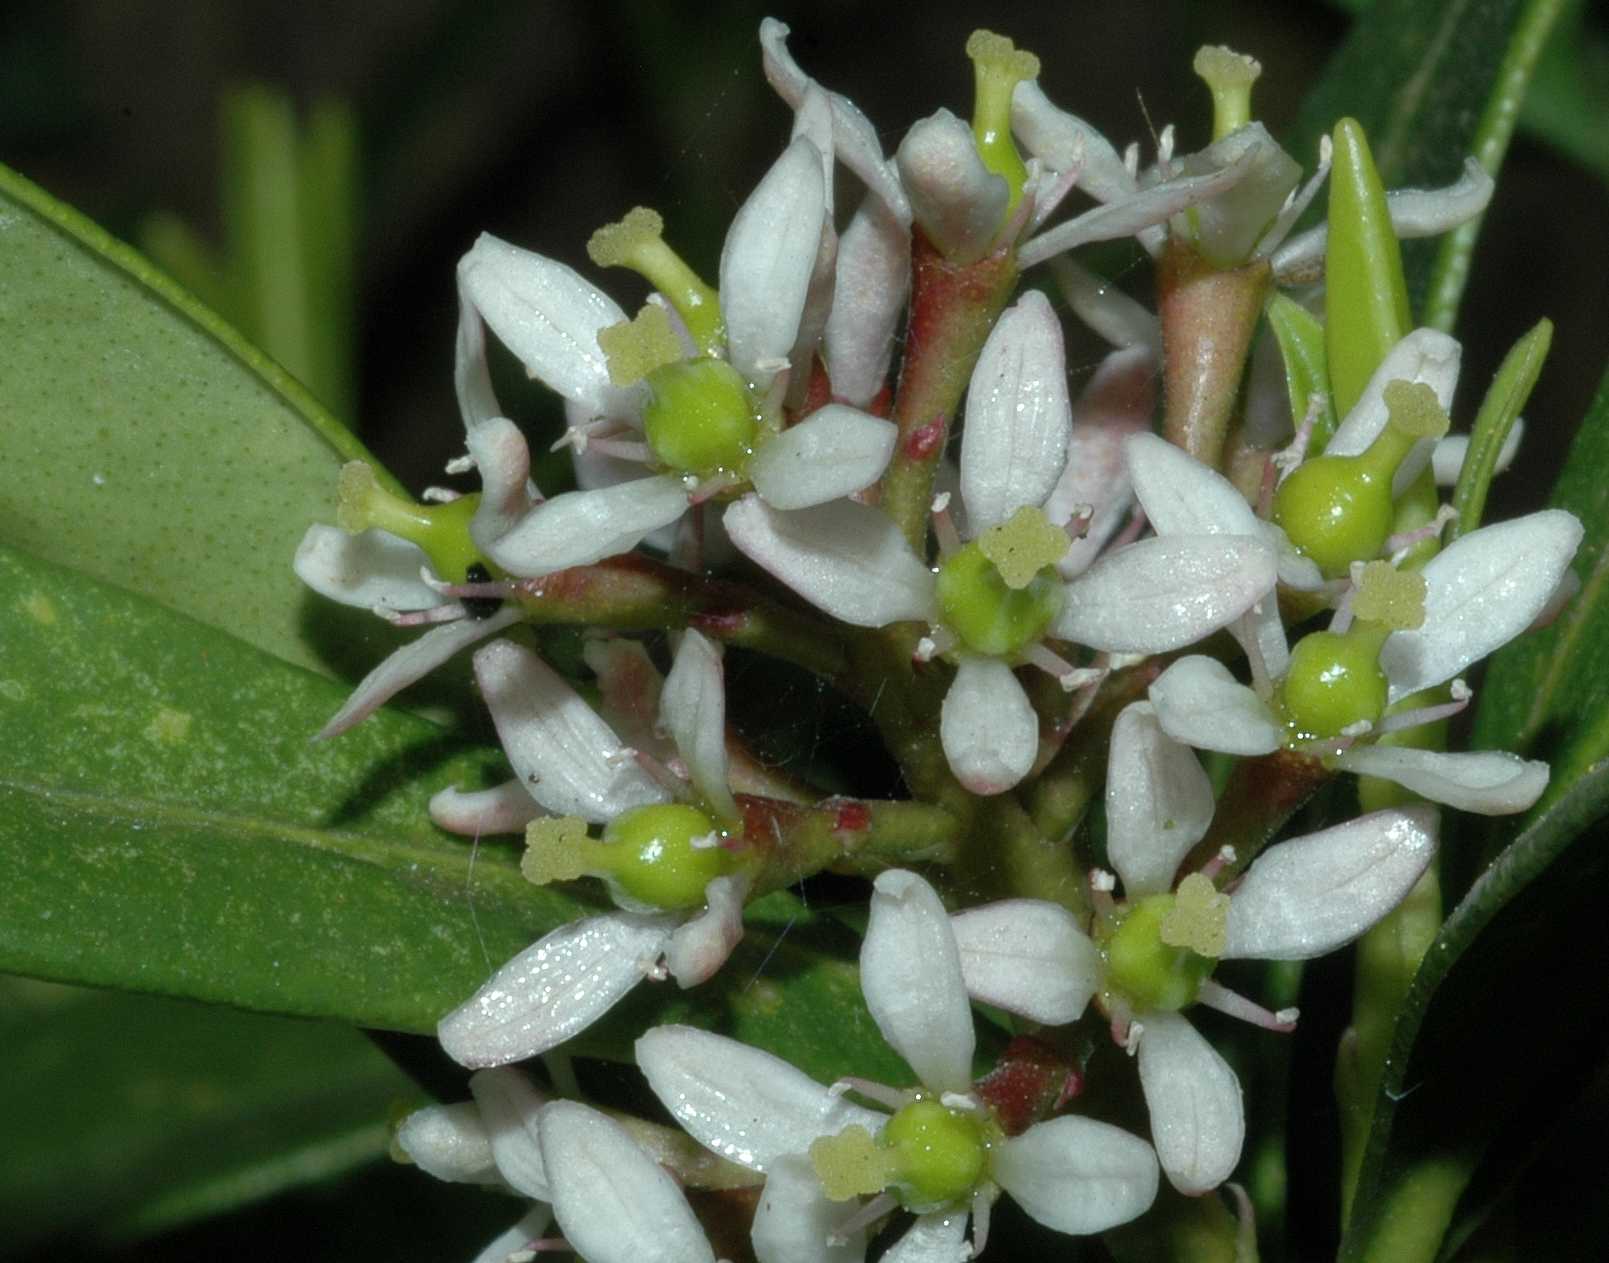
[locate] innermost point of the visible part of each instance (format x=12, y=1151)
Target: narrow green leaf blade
x=166, y=826
x=129, y=1114
x=1498, y=1014
x=149, y=445
x=1547, y=694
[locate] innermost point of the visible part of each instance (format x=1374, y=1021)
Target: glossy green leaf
x=125, y=1114
x=1547, y=693
x=167, y=826
x=1418, y=74
x=149, y=445
x=1504, y=1013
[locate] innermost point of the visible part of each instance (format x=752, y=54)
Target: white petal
x=872, y=282
x=1199, y=703
x=1484, y=590
x=1414, y=213
x=693, y=709
x=1308, y=896
x=910, y=970
x=1450, y=453
x=854, y=138
x=1106, y=309
x=472, y=380
x=794, y=1219
x=548, y=315
x=1226, y=228
x=1065, y=142
x=767, y=260
x=566, y=756
x=507, y=492
x=370, y=570
x=847, y=558
x=614, y=1202
x=1077, y=1175
x=988, y=727
x=833, y=452
x=450, y=1143
x=554, y=989
x=1488, y=782
x=1027, y=956
x=509, y=1104
x=1134, y=212
x=959, y=202
x=505, y=1246
x=1164, y=593
x=1425, y=355
x=1158, y=802
x=629, y=688
x=1259, y=629
x=1181, y=496
x=939, y=1237
x=581, y=527
x=1198, y=1123
x=1018, y=415
x=700, y=946
x=504, y=808
x=746, y=1105
x=1118, y=401
x=415, y=660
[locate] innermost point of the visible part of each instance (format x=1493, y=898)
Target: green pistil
x=1392, y=598
x=1334, y=682
x=998, y=66
x=664, y=855
x=1024, y=545
x=557, y=848
x=938, y=1154
x=636, y=242
x=851, y=1164
x=1230, y=75
x=635, y=348
x=440, y=530
x=986, y=612
x=1199, y=918
x=1148, y=972
x=699, y=418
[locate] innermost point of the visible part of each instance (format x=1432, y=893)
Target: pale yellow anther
x=851, y=1164
x=1230, y=76
x=996, y=54
x=1414, y=410
x=635, y=348
x=557, y=848
x=622, y=244
x=1198, y=919
x=1023, y=546
x=1390, y=597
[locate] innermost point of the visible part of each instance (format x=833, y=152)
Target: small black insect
x=479, y=607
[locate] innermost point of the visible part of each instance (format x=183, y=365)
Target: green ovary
x=938, y=1154
x=1145, y=971
x=664, y=855
x=699, y=418
x=1337, y=510
x=1334, y=681
x=988, y=616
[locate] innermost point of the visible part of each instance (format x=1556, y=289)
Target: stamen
x=1066, y=674
x=865, y=1217
x=1262, y=679
x=439, y=495
x=622, y=449
x=461, y=464
x=1220, y=861
x=1216, y=996
x=708, y=488
x=963, y=1101
x=982, y=1205
x=1430, y=714
x=881, y=1093
x=944, y=531
x=422, y=618
x=1297, y=203
x=1404, y=542
x=939, y=640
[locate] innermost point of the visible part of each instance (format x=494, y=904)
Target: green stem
x=849, y=835
x=953, y=309
x=1491, y=139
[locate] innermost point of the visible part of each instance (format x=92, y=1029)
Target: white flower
x=1298, y=900
x=570, y=762
x=493, y=1140
x=1150, y=597
x=613, y=1201
x=1073, y=1174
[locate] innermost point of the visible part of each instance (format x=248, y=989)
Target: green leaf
x=1300, y=337
x=126, y=1114
x=1501, y=1016
x=167, y=826
x=147, y=444
x=1498, y=412
x=1547, y=693
x=1422, y=76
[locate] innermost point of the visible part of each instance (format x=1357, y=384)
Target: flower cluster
x=1075, y=595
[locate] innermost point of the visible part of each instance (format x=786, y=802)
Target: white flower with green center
x=694, y=386
x=673, y=861
x=940, y=1154
x=1153, y=954
x=997, y=596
